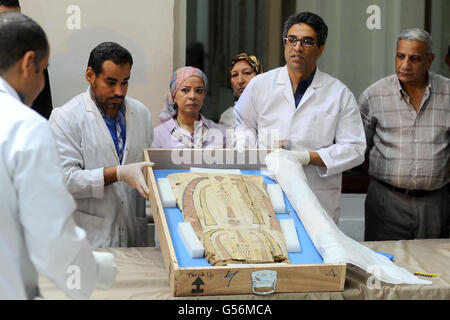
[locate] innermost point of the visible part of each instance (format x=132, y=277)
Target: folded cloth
x=333, y=245
x=106, y=269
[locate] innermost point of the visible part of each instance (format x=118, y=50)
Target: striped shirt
x=407, y=149
x=117, y=128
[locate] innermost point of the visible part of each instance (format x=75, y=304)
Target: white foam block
x=246, y=265
x=276, y=197
x=218, y=171
x=166, y=193
x=290, y=235
x=190, y=240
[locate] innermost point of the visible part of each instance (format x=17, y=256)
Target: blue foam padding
x=387, y=255
x=309, y=254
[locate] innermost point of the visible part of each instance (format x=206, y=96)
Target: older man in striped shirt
x=407, y=124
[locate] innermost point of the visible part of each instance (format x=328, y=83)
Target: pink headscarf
x=170, y=110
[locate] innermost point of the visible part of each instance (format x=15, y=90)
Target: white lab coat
x=112, y=215
x=227, y=118
x=326, y=121
x=37, y=230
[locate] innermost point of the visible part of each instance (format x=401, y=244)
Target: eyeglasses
x=305, y=42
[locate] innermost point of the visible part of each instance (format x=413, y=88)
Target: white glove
x=302, y=157
x=106, y=269
x=132, y=174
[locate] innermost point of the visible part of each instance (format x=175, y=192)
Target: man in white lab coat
x=300, y=108
x=101, y=135
x=37, y=230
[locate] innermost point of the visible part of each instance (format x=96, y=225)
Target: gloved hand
x=302, y=157
x=106, y=269
x=132, y=174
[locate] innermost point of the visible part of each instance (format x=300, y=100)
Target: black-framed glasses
x=305, y=42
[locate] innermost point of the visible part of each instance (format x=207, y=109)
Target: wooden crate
x=226, y=280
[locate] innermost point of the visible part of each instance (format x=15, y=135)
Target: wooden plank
x=238, y=280
x=162, y=229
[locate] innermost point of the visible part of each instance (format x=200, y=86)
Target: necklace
x=191, y=131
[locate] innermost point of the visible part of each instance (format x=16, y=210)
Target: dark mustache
x=116, y=97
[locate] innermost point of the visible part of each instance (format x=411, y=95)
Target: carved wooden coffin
x=232, y=215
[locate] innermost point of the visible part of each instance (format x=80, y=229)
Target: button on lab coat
x=37, y=230
x=326, y=121
x=112, y=215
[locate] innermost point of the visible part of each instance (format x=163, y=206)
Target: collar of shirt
x=116, y=127
x=106, y=116
x=195, y=140
x=172, y=124
x=6, y=87
x=302, y=87
x=403, y=93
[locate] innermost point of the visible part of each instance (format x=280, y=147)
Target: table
x=142, y=276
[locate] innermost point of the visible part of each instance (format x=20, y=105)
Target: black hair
x=10, y=3
x=311, y=19
x=108, y=51
x=18, y=35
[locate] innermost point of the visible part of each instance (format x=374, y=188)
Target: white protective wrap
x=333, y=245
x=106, y=269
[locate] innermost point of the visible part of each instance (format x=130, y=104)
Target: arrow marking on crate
x=197, y=283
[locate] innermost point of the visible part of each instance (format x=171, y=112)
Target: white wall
x=179, y=39
x=145, y=28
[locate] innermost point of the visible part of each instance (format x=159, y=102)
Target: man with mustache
x=301, y=108
x=407, y=123
x=100, y=135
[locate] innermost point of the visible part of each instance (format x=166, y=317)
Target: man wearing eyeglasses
x=300, y=108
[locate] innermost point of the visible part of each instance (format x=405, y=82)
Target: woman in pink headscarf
x=182, y=124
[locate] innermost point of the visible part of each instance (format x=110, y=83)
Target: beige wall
x=179, y=39
x=146, y=29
